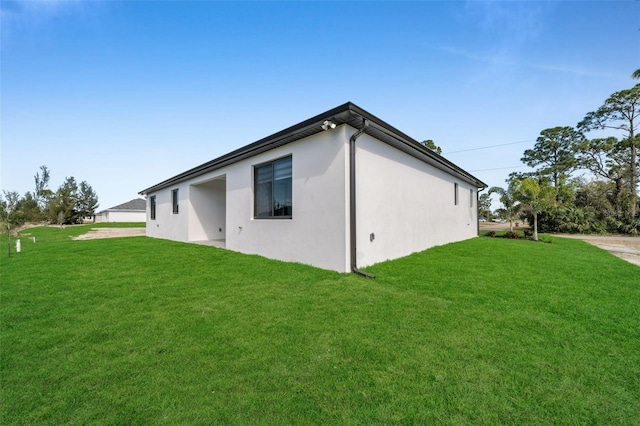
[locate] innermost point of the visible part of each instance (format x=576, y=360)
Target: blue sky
x=127, y=94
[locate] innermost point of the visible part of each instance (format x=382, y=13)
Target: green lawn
x=487, y=331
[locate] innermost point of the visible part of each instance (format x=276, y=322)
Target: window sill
x=274, y=218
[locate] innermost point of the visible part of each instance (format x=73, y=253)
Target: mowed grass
x=486, y=331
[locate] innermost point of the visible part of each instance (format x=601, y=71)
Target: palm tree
x=508, y=197
x=535, y=198
x=636, y=74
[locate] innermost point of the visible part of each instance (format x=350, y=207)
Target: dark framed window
x=152, y=207
x=455, y=193
x=174, y=201
x=272, y=189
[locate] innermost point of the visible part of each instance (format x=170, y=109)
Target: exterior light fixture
x=328, y=125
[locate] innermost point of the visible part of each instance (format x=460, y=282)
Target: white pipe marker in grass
x=18, y=246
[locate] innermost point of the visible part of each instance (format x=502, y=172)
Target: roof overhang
x=349, y=114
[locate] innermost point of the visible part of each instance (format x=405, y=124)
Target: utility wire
x=488, y=147
x=497, y=168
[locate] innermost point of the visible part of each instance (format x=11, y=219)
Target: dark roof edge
x=137, y=204
x=342, y=114
x=417, y=146
x=230, y=157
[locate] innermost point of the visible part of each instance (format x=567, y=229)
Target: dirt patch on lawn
x=98, y=233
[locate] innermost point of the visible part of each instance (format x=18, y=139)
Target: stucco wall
x=166, y=224
x=120, y=216
x=315, y=235
x=407, y=204
x=207, y=210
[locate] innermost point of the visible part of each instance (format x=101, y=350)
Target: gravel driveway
x=627, y=248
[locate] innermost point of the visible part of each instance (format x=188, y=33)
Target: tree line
x=602, y=200
x=69, y=204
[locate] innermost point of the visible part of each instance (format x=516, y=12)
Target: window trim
x=255, y=189
x=471, y=197
x=175, y=201
x=152, y=207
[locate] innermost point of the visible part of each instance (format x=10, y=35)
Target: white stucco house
x=131, y=211
x=340, y=191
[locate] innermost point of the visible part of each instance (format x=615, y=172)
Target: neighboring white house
x=339, y=191
x=131, y=211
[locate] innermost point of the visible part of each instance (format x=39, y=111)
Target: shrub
x=491, y=234
x=631, y=227
x=528, y=233
x=548, y=221
x=511, y=234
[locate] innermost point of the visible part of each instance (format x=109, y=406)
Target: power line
x=497, y=168
x=488, y=147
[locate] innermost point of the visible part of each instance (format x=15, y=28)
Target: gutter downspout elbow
x=352, y=200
